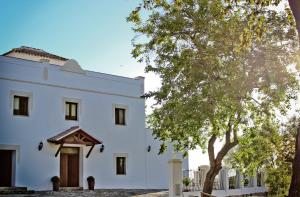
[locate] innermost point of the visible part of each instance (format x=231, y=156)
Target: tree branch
x=211, y=149
x=228, y=132
x=228, y=144
x=295, y=7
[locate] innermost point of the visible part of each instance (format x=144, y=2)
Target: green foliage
x=209, y=83
x=271, y=150
x=90, y=179
x=278, y=179
x=256, y=10
x=55, y=179
x=186, y=181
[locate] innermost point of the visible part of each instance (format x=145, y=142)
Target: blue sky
x=93, y=32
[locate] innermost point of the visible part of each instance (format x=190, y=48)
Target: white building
x=58, y=119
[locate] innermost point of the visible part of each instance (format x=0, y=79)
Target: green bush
x=186, y=181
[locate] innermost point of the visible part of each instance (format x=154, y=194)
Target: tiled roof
x=59, y=138
x=35, y=51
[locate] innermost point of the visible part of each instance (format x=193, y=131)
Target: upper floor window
x=71, y=111
x=20, y=105
x=120, y=116
x=120, y=165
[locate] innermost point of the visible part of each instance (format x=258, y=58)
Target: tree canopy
x=212, y=88
x=270, y=151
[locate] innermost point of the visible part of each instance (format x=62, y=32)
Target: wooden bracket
x=88, y=154
x=58, y=150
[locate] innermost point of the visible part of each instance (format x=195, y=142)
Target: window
x=71, y=111
x=21, y=105
x=121, y=165
x=120, y=116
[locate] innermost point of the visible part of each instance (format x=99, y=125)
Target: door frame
x=15, y=160
x=80, y=153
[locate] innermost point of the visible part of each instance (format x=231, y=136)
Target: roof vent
x=72, y=66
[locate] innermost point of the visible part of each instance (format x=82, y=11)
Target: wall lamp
x=40, y=147
x=101, y=148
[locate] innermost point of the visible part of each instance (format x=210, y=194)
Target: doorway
x=69, y=167
x=6, y=168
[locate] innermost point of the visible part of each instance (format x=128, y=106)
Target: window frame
x=70, y=104
x=20, y=93
x=21, y=111
x=115, y=160
x=122, y=170
x=118, y=110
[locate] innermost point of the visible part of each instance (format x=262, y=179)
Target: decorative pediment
x=74, y=135
x=72, y=66
x=79, y=138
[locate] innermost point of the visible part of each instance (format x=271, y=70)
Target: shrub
x=55, y=179
x=90, y=179
x=186, y=181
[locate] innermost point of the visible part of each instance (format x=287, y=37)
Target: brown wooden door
x=63, y=170
x=73, y=170
x=5, y=168
x=69, y=167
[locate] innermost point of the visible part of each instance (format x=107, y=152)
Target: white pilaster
x=224, y=181
x=175, y=177
x=254, y=179
x=242, y=181
x=203, y=171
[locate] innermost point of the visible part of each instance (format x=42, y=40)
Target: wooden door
x=73, y=170
x=69, y=167
x=5, y=168
x=63, y=170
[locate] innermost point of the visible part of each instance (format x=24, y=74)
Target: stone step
x=70, y=189
x=15, y=190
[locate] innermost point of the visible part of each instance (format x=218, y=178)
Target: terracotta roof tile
x=35, y=51
x=59, y=138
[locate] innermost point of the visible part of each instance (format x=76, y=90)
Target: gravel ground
x=96, y=193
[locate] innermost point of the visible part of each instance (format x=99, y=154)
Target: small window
x=71, y=111
x=121, y=165
x=21, y=105
x=119, y=116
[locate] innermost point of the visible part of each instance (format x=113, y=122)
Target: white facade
x=48, y=87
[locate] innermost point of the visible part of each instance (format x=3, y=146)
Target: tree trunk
x=294, y=190
x=216, y=161
x=210, y=178
x=295, y=183
x=295, y=7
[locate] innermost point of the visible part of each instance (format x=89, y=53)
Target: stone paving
x=96, y=193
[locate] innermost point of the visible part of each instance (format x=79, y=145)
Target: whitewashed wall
x=97, y=93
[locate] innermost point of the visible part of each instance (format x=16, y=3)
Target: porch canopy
x=74, y=135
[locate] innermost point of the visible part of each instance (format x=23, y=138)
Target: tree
x=294, y=15
x=212, y=89
x=271, y=152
